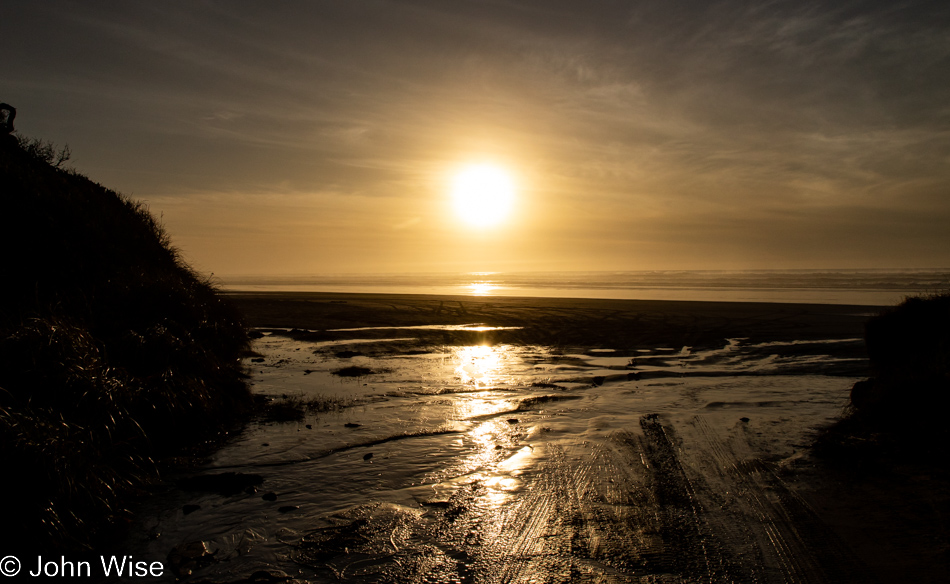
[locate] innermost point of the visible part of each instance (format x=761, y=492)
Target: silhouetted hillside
x=902, y=409
x=113, y=352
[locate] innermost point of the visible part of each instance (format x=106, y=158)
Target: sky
x=315, y=137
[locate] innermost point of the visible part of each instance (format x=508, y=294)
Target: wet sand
x=617, y=324
x=548, y=440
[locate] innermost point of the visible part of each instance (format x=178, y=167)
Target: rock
x=368, y=456
x=269, y=496
x=354, y=371
x=744, y=420
x=351, y=425
x=288, y=508
x=513, y=420
x=257, y=360
x=190, y=508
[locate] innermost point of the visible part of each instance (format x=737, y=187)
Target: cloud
x=408, y=223
x=690, y=123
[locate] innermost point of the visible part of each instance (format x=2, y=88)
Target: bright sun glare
x=483, y=194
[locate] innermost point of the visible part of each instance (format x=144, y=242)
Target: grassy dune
x=113, y=352
x=901, y=411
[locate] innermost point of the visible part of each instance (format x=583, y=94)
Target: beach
x=476, y=292
x=413, y=438
x=584, y=322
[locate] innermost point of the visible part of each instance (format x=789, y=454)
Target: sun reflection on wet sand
x=479, y=405
x=501, y=482
x=517, y=461
x=480, y=365
x=425, y=327
x=484, y=436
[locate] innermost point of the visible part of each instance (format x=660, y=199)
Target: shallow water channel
x=514, y=463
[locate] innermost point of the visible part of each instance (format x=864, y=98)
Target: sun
x=483, y=194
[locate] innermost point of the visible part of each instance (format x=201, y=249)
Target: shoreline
x=482, y=299
x=863, y=287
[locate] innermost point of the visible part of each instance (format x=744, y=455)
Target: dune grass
x=113, y=352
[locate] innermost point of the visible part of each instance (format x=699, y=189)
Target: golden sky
x=296, y=137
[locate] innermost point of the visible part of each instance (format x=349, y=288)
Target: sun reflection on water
x=477, y=406
x=502, y=482
x=481, y=288
x=517, y=461
x=480, y=365
x=497, y=457
x=484, y=437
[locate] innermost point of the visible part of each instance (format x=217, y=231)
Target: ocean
x=861, y=287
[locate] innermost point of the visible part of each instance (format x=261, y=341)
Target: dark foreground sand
x=667, y=499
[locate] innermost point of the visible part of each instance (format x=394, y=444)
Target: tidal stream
x=510, y=463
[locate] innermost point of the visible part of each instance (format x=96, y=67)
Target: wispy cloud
x=729, y=125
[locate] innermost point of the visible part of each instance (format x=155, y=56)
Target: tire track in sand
x=793, y=544
x=629, y=507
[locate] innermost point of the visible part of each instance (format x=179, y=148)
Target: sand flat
x=562, y=441
x=587, y=322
